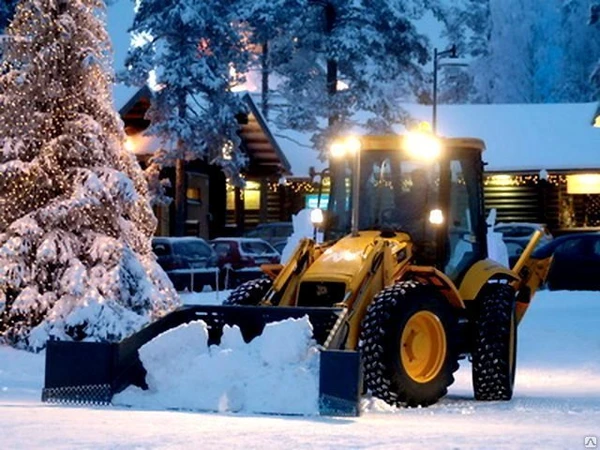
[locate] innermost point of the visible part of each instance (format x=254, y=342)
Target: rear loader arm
x=286, y=283
x=532, y=274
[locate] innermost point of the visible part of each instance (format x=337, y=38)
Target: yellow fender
x=479, y=274
x=434, y=277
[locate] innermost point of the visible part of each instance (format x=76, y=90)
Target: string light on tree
x=75, y=228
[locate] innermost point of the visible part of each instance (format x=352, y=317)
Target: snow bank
x=277, y=372
x=204, y=298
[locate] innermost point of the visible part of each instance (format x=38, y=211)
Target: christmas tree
x=75, y=220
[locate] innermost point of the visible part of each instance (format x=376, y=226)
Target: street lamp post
x=450, y=53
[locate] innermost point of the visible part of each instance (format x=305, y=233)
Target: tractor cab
x=430, y=189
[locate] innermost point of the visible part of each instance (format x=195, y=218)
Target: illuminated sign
x=312, y=201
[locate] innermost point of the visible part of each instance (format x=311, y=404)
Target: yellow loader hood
x=342, y=261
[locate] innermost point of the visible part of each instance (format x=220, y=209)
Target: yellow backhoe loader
x=400, y=289
x=412, y=275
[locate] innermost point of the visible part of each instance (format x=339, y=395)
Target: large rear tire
x=495, y=350
x=249, y=293
x=409, y=345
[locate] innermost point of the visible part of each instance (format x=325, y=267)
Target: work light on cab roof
x=422, y=143
x=346, y=146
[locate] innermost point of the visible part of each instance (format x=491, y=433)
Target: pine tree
x=581, y=44
x=530, y=52
x=373, y=48
x=468, y=27
x=198, y=52
x=266, y=23
x=75, y=221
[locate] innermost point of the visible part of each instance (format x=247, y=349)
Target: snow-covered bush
x=75, y=219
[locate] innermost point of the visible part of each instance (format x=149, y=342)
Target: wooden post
x=264, y=200
x=264, y=62
x=180, y=175
x=180, y=200
x=239, y=210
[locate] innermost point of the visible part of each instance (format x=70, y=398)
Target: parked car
x=514, y=247
x=189, y=262
x=240, y=258
x=275, y=233
x=576, y=264
x=279, y=246
x=522, y=231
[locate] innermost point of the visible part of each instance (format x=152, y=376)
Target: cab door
x=465, y=225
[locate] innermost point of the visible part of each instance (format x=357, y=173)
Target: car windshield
x=257, y=248
x=395, y=193
x=191, y=249
x=283, y=230
x=516, y=231
x=514, y=248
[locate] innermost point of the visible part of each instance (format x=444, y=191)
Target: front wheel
x=495, y=350
x=409, y=345
x=249, y=293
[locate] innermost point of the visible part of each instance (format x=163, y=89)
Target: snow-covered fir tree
x=581, y=52
x=525, y=51
x=266, y=25
x=370, y=53
x=75, y=221
x=198, y=53
x=468, y=27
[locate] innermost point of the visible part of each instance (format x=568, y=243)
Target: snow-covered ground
x=556, y=403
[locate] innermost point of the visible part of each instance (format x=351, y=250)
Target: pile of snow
x=303, y=228
x=497, y=249
x=277, y=372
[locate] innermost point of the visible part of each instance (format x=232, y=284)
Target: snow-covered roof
x=122, y=94
x=142, y=144
x=518, y=137
x=527, y=137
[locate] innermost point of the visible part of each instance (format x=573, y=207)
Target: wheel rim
x=423, y=346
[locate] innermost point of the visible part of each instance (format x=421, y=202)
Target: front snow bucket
x=340, y=383
x=91, y=373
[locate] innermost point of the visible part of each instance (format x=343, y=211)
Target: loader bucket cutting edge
x=92, y=372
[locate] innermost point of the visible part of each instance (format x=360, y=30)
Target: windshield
x=395, y=194
x=257, y=248
x=192, y=250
